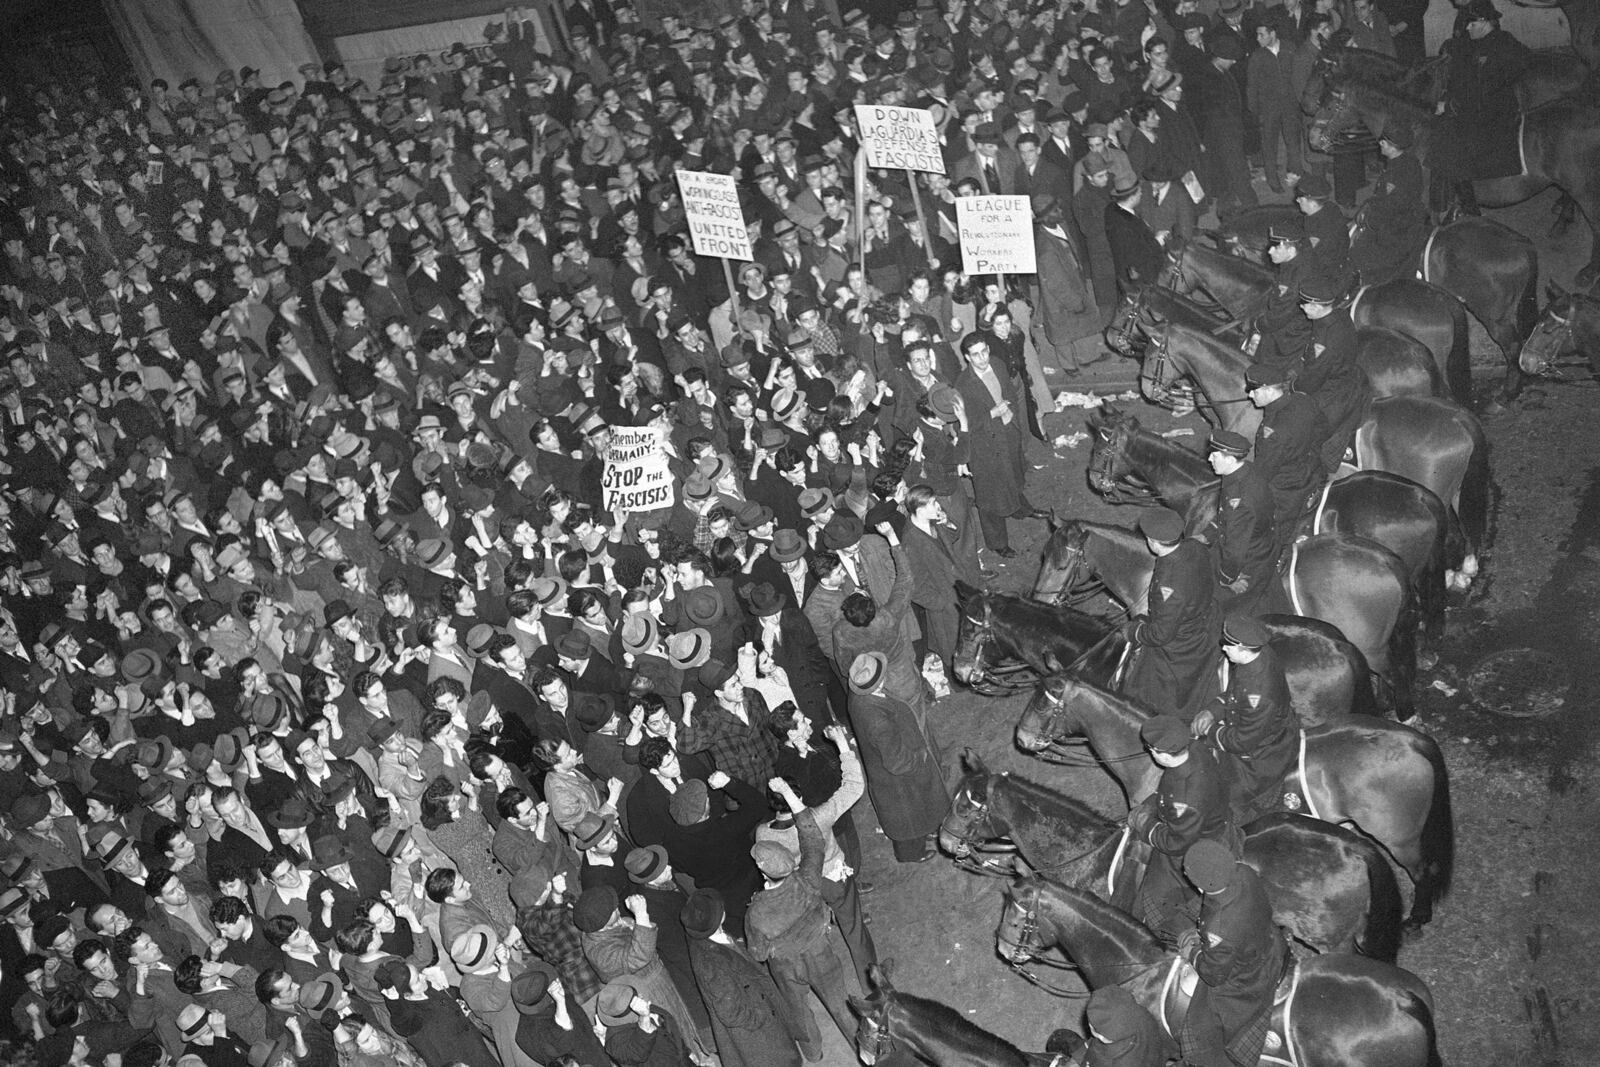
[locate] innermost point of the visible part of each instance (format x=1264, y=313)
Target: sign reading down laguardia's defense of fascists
x=899, y=137
x=637, y=476
x=996, y=234
x=716, y=222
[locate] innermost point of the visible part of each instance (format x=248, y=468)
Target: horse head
x=1017, y=937
x=1108, y=459
x=968, y=821
x=974, y=634
x=874, y=1042
x=1119, y=333
x=1157, y=372
x=1049, y=716
x=1570, y=322
x=1062, y=567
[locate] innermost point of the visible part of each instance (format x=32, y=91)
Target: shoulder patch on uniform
x=1166, y=592
x=1233, y=501
x=1179, y=808
x=1254, y=699
x=1266, y=431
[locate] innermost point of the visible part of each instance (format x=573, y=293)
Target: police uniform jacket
x=1175, y=668
x=1288, y=452
x=1241, y=954
x=1256, y=732
x=1247, y=544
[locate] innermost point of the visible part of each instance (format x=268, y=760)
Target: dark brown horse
x=1583, y=20
x=1432, y=441
x=1328, y=676
x=1356, y=586
x=1559, y=140
x=1385, y=779
x=897, y=1028
x=1424, y=313
x=1130, y=463
x=1341, y=1011
x=1570, y=324
x=1332, y=889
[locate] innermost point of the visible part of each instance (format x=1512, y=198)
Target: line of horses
x=1364, y=606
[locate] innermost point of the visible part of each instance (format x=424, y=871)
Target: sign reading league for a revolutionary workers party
x=901, y=137
x=996, y=234
x=716, y=222
x=637, y=477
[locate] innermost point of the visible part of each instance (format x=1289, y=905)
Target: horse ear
x=860, y=1007
x=878, y=975
x=1024, y=872
x=964, y=592
x=972, y=761
x=1554, y=292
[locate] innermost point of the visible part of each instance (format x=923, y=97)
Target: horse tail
x=1385, y=910
x=1430, y=577
x=1458, y=362
x=1402, y=673
x=1419, y=1011
x=1476, y=489
x=1438, y=838
x=1364, y=690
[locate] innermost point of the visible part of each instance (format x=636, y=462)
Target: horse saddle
x=1178, y=990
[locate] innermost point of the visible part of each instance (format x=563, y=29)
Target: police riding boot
x=1467, y=199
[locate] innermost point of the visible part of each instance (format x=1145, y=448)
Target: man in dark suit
x=1063, y=143
x=1035, y=176
x=1135, y=252
x=991, y=164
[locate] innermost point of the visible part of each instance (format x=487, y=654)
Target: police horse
x=1384, y=778
x=1331, y=889
x=1331, y=1010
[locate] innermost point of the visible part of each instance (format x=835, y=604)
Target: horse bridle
x=1051, y=753
x=882, y=1040
x=1103, y=470
x=1074, y=593
x=1025, y=948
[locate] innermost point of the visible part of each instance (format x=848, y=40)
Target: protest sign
x=900, y=137
x=996, y=234
x=716, y=221
x=637, y=476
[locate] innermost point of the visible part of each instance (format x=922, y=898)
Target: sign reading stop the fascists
x=716, y=222
x=996, y=234
x=637, y=475
x=900, y=137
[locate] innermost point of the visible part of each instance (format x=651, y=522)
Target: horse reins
x=1023, y=951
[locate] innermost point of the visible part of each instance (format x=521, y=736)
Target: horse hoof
x=1469, y=567
x=1494, y=408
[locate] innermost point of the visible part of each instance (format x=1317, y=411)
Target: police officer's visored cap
x=1259, y=374
x=1229, y=442
x=1162, y=524
x=1246, y=630
x=1166, y=733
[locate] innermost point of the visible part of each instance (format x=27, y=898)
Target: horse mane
x=1379, y=80
x=979, y=1044
x=1183, y=457
x=1137, y=709
x=1049, y=803
x=1100, y=913
x=1080, y=626
x=1180, y=309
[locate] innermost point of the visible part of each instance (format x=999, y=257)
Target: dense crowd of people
x=345, y=722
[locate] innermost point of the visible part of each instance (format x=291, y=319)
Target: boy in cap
x=1173, y=667
x=1240, y=955
x=1252, y=724
x=1190, y=804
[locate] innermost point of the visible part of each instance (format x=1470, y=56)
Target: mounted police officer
x=1240, y=955
x=1330, y=376
x=1392, y=225
x=1479, y=138
x=1326, y=227
x=1174, y=663
x=1284, y=331
x=1251, y=725
x=1243, y=532
x=1190, y=805
x=1288, y=446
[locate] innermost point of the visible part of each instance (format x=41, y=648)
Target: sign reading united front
x=716, y=221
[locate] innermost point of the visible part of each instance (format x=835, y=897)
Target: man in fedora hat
x=1135, y=253
x=991, y=163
